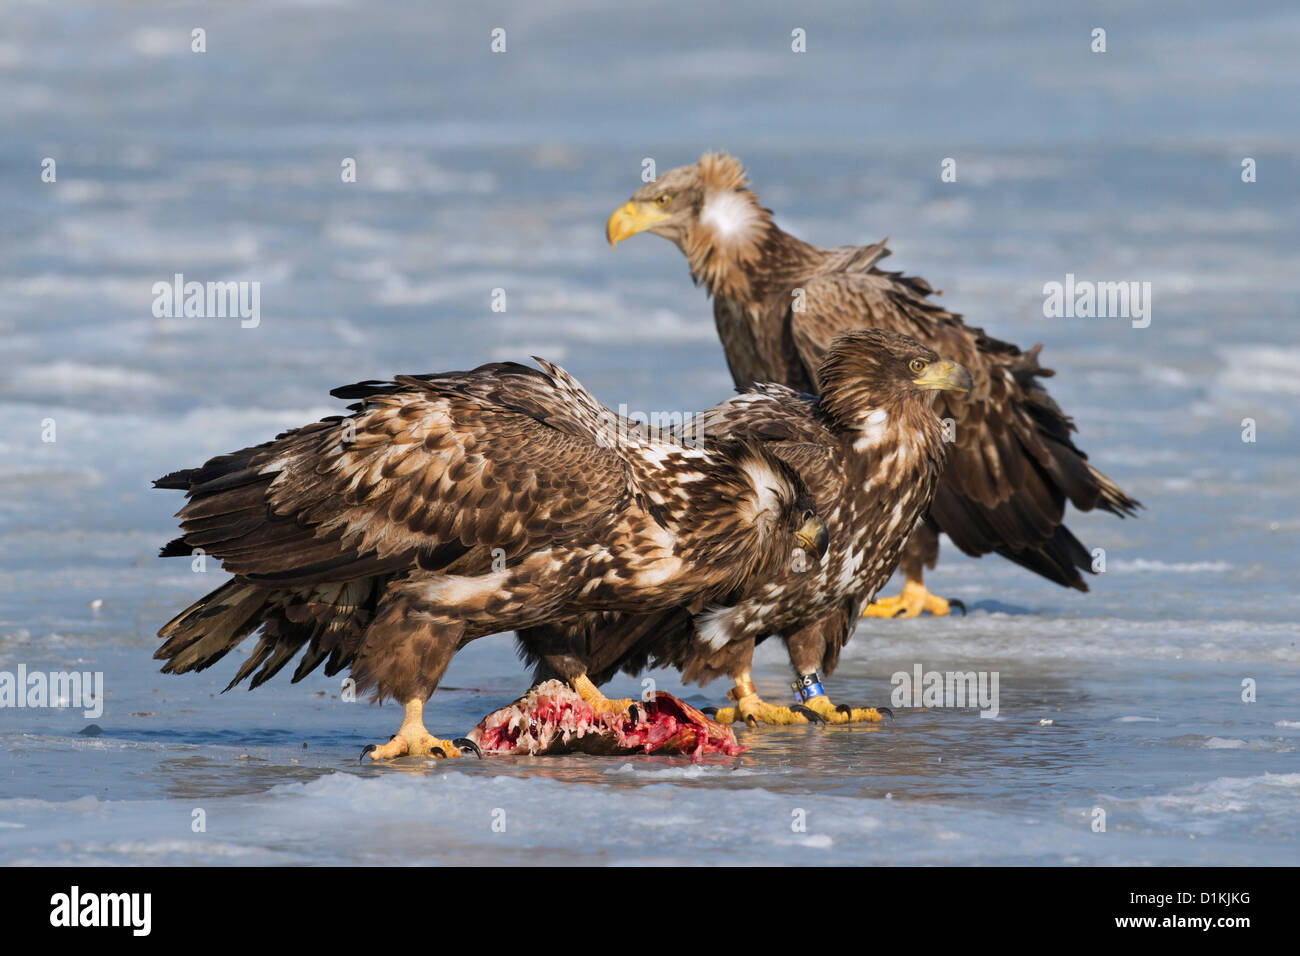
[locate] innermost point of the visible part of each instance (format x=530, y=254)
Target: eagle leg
x=597, y=701
x=413, y=740
x=753, y=710
x=913, y=599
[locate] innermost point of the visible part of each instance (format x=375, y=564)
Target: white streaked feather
x=713, y=626
x=730, y=214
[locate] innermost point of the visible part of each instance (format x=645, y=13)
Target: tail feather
x=211, y=627
x=316, y=652
x=1112, y=498
x=176, y=480
x=264, y=649
x=1005, y=490
x=1059, y=559
x=329, y=619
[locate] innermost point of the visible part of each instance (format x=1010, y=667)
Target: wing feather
x=1013, y=464
x=435, y=465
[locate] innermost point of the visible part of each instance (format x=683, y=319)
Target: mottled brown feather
x=450, y=506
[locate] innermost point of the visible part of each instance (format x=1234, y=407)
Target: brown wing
x=765, y=413
x=430, y=472
x=781, y=421
x=427, y=473
x=785, y=423
x=1013, y=464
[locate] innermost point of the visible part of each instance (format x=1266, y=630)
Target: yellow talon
x=910, y=603
x=602, y=705
x=412, y=739
x=821, y=705
x=753, y=707
x=849, y=715
x=726, y=715
x=753, y=710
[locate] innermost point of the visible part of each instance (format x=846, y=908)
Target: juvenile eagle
x=447, y=507
x=778, y=302
x=871, y=450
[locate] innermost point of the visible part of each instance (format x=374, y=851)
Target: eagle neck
x=905, y=434
x=746, y=273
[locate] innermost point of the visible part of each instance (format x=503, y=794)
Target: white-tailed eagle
x=447, y=507
x=870, y=448
x=779, y=302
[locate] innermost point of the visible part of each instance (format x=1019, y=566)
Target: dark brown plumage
x=870, y=449
x=1013, y=464
x=446, y=507
x=778, y=303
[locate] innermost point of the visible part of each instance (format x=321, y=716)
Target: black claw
x=900, y=612
x=751, y=720
x=959, y=605
x=464, y=743
x=369, y=747
x=634, y=713
x=812, y=715
x=709, y=711
x=847, y=711
x=438, y=751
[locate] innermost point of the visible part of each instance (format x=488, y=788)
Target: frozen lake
x=479, y=171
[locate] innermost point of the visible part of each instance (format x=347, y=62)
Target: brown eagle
x=778, y=303
x=446, y=507
x=871, y=449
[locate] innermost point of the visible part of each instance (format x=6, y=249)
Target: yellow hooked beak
x=813, y=536
x=944, y=376
x=631, y=218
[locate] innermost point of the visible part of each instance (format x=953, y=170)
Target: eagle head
x=782, y=506
x=812, y=534
x=868, y=374
x=712, y=193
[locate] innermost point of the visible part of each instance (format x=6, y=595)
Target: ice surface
x=477, y=174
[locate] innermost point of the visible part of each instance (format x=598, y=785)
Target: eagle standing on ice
x=778, y=303
x=871, y=449
x=448, y=507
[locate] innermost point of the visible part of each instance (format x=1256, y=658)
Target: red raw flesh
x=552, y=719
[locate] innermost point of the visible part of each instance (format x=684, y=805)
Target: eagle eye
x=917, y=365
x=663, y=200
x=807, y=515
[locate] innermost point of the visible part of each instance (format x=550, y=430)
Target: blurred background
x=478, y=170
